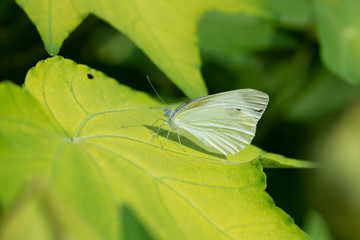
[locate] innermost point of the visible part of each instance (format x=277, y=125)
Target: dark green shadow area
x=173, y=136
x=134, y=229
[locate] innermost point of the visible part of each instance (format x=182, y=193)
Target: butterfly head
x=169, y=113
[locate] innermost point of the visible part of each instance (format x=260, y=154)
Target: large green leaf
x=38, y=214
x=164, y=30
x=338, y=24
x=88, y=137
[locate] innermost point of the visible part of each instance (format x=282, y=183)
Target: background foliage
x=304, y=54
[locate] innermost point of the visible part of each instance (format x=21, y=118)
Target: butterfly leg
x=157, y=132
x=158, y=120
x=167, y=136
x=182, y=147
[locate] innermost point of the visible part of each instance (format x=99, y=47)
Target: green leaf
x=292, y=13
x=38, y=214
x=272, y=160
x=88, y=137
x=54, y=20
x=338, y=24
x=310, y=104
x=238, y=33
x=133, y=228
x=165, y=31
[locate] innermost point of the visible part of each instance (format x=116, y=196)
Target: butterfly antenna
x=147, y=76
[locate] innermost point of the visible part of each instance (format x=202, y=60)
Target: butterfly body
x=222, y=123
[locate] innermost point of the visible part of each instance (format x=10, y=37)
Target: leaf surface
x=88, y=136
x=38, y=214
x=165, y=30
x=272, y=160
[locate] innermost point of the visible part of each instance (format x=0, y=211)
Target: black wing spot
x=238, y=109
x=259, y=110
x=90, y=76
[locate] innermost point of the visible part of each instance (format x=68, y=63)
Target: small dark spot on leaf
x=90, y=76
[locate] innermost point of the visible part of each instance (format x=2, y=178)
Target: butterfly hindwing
x=219, y=130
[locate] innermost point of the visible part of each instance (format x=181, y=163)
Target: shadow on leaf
x=134, y=229
x=173, y=136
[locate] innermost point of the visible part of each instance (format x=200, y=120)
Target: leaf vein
x=160, y=46
x=45, y=98
x=209, y=185
x=166, y=184
x=165, y=149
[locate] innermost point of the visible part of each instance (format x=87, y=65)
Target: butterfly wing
x=250, y=101
x=222, y=123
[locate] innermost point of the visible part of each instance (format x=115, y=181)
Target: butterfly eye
x=167, y=112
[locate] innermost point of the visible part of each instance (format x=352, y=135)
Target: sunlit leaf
x=88, y=137
x=38, y=214
x=165, y=30
x=272, y=160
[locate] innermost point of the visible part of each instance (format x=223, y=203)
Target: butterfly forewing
x=250, y=101
x=222, y=123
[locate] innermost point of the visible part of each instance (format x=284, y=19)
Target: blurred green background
x=313, y=112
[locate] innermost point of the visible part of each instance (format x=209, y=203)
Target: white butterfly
x=222, y=123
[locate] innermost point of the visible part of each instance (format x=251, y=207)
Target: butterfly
x=222, y=123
